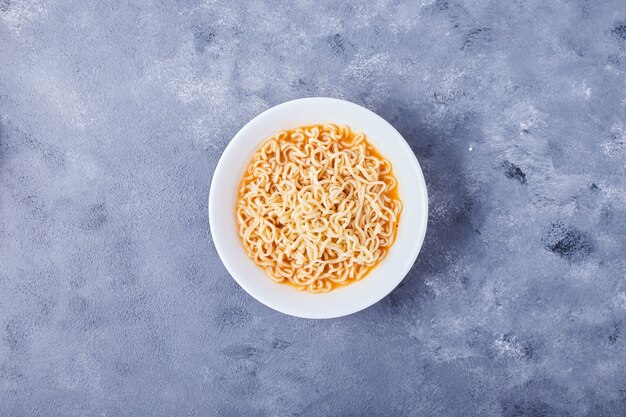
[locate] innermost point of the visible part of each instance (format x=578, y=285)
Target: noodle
x=318, y=207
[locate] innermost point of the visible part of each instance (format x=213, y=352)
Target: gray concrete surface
x=113, y=301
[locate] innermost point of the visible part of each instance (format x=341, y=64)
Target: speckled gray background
x=113, y=301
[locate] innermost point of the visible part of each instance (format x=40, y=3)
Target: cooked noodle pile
x=318, y=207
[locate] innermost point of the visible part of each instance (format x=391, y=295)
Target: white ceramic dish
x=344, y=300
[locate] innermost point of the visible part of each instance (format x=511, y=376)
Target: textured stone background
x=113, y=301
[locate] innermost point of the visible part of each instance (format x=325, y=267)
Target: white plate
x=343, y=300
